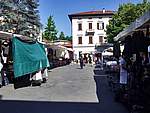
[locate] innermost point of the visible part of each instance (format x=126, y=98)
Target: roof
x=92, y=13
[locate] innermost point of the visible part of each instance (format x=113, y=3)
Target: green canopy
x=28, y=57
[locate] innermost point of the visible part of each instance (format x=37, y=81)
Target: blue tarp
x=27, y=57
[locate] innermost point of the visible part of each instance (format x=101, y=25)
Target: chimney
x=103, y=10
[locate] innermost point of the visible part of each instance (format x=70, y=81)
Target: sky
x=60, y=9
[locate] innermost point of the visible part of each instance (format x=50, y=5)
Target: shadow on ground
x=1, y=97
x=10, y=106
x=105, y=94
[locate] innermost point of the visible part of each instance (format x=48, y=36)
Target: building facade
x=88, y=30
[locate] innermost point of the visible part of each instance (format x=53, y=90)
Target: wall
x=85, y=46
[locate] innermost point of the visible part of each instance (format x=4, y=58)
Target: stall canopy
x=140, y=23
x=7, y=35
x=66, y=48
x=102, y=47
x=28, y=57
x=106, y=53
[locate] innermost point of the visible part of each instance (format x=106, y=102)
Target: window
x=103, y=25
x=90, y=25
x=101, y=39
x=100, y=25
x=79, y=40
x=79, y=27
x=90, y=40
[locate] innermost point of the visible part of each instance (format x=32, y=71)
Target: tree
x=50, y=32
x=20, y=16
x=62, y=36
x=126, y=14
x=69, y=38
x=33, y=17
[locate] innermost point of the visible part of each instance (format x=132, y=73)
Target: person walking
x=90, y=59
x=81, y=62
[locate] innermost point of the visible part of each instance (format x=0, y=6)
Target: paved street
x=68, y=90
x=65, y=84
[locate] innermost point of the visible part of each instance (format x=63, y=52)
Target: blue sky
x=61, y=8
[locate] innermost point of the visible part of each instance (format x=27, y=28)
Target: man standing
x=81, y=62
x=123, y=70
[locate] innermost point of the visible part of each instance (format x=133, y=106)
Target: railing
x=90, y=30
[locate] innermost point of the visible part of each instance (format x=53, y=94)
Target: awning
x=66, y=48
x=28, y=57
x=140, y=23
x=102, y=47
x=106, y=53
x=7, y=35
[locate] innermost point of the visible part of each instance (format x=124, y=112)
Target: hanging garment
x=38, y=76
x=4, y=59
x=45, y=74
x=5, y=79
x=1, y=66
x=123, y=72
x=36, y=79
x=22, y=81
x=5, y=48
x=28, y=57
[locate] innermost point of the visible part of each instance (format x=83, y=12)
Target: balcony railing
x=90, y=32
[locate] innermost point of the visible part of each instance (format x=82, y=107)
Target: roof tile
x=93, y=13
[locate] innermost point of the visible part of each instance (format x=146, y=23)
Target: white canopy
x=139, y=23
x=106, y=53
x=66, y=48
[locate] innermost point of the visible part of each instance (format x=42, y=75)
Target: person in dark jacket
x=81, y=62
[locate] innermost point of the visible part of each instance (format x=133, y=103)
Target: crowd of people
x=84, y=59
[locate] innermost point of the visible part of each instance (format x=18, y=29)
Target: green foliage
x=126, y=14
x=20, y=16
x=62, y=36
x=50, y=32
x=69, y=38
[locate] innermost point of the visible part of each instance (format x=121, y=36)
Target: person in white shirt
x=123, y=70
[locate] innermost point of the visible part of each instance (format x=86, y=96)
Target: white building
x=88, y=30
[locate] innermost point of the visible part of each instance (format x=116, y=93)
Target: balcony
x=90, y=32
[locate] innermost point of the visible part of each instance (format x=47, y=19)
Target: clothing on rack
x=123, y=72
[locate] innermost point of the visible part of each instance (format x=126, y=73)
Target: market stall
x=135, y=93
x=59, y=55
x=26, y=57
